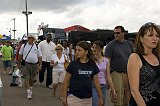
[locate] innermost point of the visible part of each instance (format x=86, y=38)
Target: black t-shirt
x=81, y=79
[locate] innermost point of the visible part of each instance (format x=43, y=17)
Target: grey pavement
x=16, y=96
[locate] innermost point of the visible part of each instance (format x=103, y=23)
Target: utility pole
x=26, y=13
x=14, y=30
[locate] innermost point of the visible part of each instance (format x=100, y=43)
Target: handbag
x=23, y=61
x=66, y=63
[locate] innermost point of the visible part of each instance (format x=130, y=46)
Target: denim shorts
x=7, y=63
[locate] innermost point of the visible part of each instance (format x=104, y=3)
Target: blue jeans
x=95, y=95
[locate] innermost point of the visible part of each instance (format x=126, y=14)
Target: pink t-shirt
x=103, y=70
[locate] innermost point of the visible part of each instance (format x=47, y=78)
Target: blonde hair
x=60, y=46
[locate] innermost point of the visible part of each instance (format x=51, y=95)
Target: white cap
x=31, y=36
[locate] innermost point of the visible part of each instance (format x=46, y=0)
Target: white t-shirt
x=66, y=52
x=60, y=66
x=33, y=54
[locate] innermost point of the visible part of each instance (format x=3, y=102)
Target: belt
x=118, y=71
x=30, y=63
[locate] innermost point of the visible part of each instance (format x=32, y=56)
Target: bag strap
x=28, y=52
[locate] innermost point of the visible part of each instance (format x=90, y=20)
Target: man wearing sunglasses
x=118, y=52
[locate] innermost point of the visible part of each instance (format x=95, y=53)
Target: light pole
x=26, y=13
x=14, y=30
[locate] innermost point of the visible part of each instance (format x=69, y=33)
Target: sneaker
x=31, y=90
x=50, y=86
x=29, y=95
x=41, y=83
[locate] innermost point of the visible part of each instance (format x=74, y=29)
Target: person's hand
x=114, y=96
x=64, y=101
x=100, y=102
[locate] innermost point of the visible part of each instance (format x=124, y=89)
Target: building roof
x=76, y=28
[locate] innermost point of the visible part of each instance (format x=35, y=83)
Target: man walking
x=7, y=56
x=30, y=57
x=118, y=52
x=47, y=48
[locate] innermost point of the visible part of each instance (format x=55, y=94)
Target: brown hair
x=142, y=31
x=86, y=46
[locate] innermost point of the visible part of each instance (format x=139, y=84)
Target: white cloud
x=93, y=14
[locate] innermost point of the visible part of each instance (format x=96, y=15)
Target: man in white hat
x=30, y=58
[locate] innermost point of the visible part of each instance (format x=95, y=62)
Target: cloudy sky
x=93, y=14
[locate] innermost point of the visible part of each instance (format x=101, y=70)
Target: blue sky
x=93, y=14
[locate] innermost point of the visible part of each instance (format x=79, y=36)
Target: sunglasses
x=148, y=24
x=116, y=33
x=58, y=49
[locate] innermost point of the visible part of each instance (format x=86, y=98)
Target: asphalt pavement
x=16, y=96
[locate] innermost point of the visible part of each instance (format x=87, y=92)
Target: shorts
x=58, y=76
x=75, y=101
x=29, y=71
x=7, y=63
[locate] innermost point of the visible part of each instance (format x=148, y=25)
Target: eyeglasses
x=116, y=33
x=58, y=49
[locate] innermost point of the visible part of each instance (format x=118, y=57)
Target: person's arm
x=98, y=88
x=19, y=60
x=40, y=46
x=133, y=68
x=65, y=87
x=20, y=56
x=53, y=62
x=2, y=52
x=110, y=81
x=39, y=64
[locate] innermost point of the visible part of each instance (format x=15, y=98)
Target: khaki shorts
x=120, y=81
x=58, y=76
x=75, y=101
x=29, y=71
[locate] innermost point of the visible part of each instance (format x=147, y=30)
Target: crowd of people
x=129, y=71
